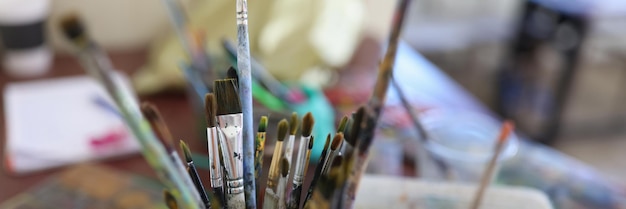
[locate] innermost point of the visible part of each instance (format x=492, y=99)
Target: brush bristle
x=293, y=124
x=227, y=97
x=186, y=151
x=342, y=124
x=262, y=124
x=311, y=142
x=355, y=130
x=158, y=125
x=149, y=111
x=73, y=28
x=210, y=108
x=232, y=73
x=170, y=200
x=337, y=141
x=307, y=124
x=284, y=167
x=283, y=127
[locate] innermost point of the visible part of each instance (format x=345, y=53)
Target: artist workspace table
x=564, y=179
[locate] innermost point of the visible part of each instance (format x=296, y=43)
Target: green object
x=266, y=98
x=318, y=105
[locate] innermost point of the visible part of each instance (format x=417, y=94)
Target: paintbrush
x=289, y=95
x=193, y=173
x=327, y=194
x=282, y=182
x=301, y=160
x=215, y=168
x=152, y=114
x=293, y=128
x=318, y=169
x=96, y=63
x=423, y=134
x=259, y=149
x=229, y=117
x=507, y=129
x=334, y=152
x=375, y=103
x=169, y=199
x=296, y=193
x=245, y=94
x=271, y=196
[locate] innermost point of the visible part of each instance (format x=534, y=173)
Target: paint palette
x=91, y=186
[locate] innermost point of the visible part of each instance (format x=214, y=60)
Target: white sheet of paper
x=60, y=121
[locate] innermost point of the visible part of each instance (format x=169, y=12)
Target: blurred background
x=556, y=68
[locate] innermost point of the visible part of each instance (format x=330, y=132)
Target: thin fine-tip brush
x=301, y=160
x=507, y=129
x=375, y=103
x=327, y=194
x=193, y=173
x=95, y=62
x=259, y=144
x=293, y=128
x=282, y=183
x=296, y=193
x=230, y=122
x=441, y=166
x=215, y=168
x=152, y=114
x=169, y=199
x=334, y=151
x=318, y=169
x=271, y=197
x=245, y=93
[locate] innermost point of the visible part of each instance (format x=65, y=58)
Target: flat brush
x=169, y=199
x=301, y=160
x=96, y=63
x=193, y=173
x=152, y=114
x=318, y=169
x=296, y=193
x=259, y=144
x=245, y=94
x=230, y=122
x=505, y=132
x=215, y=168
x=376, y=102
x=271, y=196
x=282, y=182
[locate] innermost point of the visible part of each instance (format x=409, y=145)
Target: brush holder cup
x=464, y=143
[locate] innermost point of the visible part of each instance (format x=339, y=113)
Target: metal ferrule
x=298, y=176
x=232, y=145
x=214, y=158
x=234, y=186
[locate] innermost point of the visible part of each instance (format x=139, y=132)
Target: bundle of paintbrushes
x=235, y=153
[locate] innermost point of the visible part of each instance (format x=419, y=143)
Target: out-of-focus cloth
x=288, y=37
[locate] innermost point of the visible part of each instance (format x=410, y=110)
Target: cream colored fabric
x=287, y=36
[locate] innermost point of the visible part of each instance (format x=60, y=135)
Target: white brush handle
x=236, y=201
